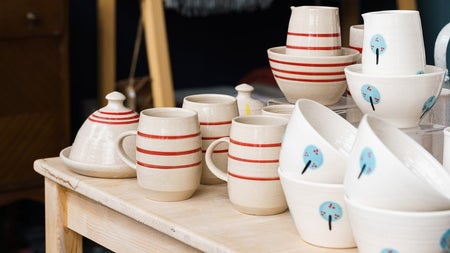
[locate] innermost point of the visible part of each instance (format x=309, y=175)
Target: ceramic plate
x=96, y=170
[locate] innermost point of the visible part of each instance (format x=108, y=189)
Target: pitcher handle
x=440, y=52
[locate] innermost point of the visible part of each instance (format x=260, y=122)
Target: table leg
x=58, y=238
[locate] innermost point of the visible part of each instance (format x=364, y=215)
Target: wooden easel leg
x=158, y=52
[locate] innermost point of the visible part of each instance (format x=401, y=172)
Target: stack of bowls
x=311, y=65
x=393, y=80
x=397, y=194
x=312, y=165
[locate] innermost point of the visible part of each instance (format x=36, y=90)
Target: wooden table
x=116, y=214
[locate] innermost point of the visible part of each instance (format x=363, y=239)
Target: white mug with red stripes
x=168, y=153
x=356, y=37
x=215, y=112
x=314, y=31
x=254, y=146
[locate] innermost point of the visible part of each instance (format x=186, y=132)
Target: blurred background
x=49, y=61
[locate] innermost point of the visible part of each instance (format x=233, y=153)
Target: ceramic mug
x=280, y=110
x=254, y=146
x=393, y=43
x=356, y=37
x=215, y=112
x=168, y=153
x=314, y=31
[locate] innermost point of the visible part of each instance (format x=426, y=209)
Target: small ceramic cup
x=317, y=143
x=386, y=231
x=387, y=169
x=319, y=211
x=215, y=112
x=393, y=43
x=314, y=31
x=281, y=110
x=168, y=153
x=254, y=147
x=356, y=37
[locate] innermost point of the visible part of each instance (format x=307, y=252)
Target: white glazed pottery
x=393, y=43
x=93, y=151
x=319, y=211
x=314, y=31
x=319, y=78
x=215, y=112
x=252, y=177
x=385, y=231
x=246, y=104
x=387, y=169
x=403, y=100
x=317, y=143
x=168, y=156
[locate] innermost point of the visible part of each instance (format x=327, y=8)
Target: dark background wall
x=205, y=51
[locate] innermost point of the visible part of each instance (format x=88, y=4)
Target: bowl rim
x=352, y=204
x=346, y=53
x=283, y=176
x=430, y=70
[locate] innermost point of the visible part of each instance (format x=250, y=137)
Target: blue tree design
x=429, y=103
x=312, y=157
x=445, y=241
x=371, y=94
x=388, y=250
x=377, y=45
x=330, y=211
x=367, y=162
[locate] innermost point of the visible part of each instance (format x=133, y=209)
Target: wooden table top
x=207, y=221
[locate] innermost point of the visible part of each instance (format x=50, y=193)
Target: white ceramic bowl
x=402, y=100
x=380, y=230
x=93, y=151
x=388, y=169
x=320, y=78
x=317, y=143
x=319, y=211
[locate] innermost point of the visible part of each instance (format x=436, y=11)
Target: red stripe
x=168, y=137
x=310, y=80
x=342, y=64
x=154, y=166
x=314, y=34
x=357, y=48
x=254, y=178
x=217, y=151
x=116, y=113
x=114, y=118
x=258, y=145
x=309, y=73
x=214, y=123
x=313, y=48
x=165, y=153
x=212, y=138
x=113, y=122
x=251, y=160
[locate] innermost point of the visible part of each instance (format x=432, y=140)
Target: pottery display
x=93, y=151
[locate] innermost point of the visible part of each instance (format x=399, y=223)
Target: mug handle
x=209, y=162
x=440, y=51
x=121, y=151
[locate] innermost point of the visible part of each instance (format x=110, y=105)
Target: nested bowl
x=403, y=100
x=319, y=78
